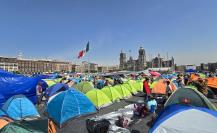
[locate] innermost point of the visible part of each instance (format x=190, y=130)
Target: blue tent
x=19, y=107
x=69, y=104
x=56, y=88
x=13, y=84
x=2, y=113
x=77, y=81
x=185, y=119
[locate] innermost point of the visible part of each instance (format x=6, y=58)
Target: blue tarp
x=69, y=104
x=19, y=107
x=13, y=84
x=56, y=88
x=190, y=71
x=41, y=76
x=172, y=110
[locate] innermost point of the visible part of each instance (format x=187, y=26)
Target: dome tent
x=50, y=82
x=71, y=104
x=98, y=98
x=138, y=85
x=130, y=87
x=123, y=91
x=160, y=87
x=84, y=86
x=34, y=126
x=2, y=113
x=185, y=119
x=56, y=88
x=19, y=107
x=194, y=97
x=112, y=93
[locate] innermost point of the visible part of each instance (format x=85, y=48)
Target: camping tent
x=2, y=113
x=193, y=97
x=98, y=98
x=112, y=93
x=138, y=85
x=12, y=84
x=212, y=82
x=4, y=121
x=36, y=126
x=185, y=119
x=50, y=82
x=154, y=73
x=56, y=88
x=123, y=91
x=84, y=86
x=69, y=104
x=130, y=87
x=19, y=107
x=160, y=87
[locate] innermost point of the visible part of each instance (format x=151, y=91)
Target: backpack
x=100, y=126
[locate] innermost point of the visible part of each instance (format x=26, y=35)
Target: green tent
x=50, y=82
x=192, y=95
x=152, y=84
x=112, y=93
x=57, y=80
x=84, y=86
x=130, y=87
x=202, y=75
x=35, y=126
x=98, y=98
x=123, y=91
x=137, y=84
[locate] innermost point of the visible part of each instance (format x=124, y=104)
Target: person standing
x=39, y=92
x=146, y=89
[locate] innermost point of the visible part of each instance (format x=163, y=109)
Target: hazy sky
x=186, y=29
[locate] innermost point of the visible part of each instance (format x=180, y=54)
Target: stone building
x=131, y=64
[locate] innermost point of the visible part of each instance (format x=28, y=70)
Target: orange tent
x=194, y=77
x=52, y=128
x=4, y=121
x=212, y=82
x=160, y=87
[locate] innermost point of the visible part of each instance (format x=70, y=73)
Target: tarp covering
x=69, y=104
x=185, y=119
x=19, y=107
x=12, y=84
x=98, y=98
x=194, y=97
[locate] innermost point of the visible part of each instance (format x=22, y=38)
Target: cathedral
x=131, y=64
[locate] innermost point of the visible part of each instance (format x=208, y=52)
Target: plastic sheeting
x=13, y=84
